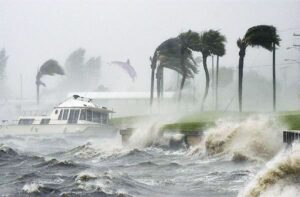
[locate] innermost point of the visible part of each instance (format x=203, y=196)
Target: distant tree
x=92, y=71
x=50, y=67
x=75, y=62
x=3, y=64
x=81, y=74
x=261, y=36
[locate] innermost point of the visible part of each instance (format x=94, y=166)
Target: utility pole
x=274, y=78
x=21, y=87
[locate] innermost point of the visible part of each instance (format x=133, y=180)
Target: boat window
x=89, y=115
x=96, y=116
x=104, y=118
x=83, y=114
x=76, y=115
x=65, y=116
x=45, y=121
x=60, y=115
x=73, y=117
x=25, y=121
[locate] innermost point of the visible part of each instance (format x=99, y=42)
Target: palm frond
x=50, y=67
x=263, y=36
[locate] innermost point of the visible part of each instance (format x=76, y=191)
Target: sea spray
x=256, y=138
x=149, y=132
x=145, y=135
x=280, y=177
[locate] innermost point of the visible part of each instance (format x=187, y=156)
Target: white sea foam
x=32, y=187
x=256, y=138
x=280, y=177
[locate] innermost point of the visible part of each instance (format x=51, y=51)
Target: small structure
x=186, y=138
x=290, y=136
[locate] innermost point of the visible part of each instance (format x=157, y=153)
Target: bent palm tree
x=169, y=46
x=171, y=54
x=189, y=41
x=210, y=42
x=50, y=67
x=261, y=36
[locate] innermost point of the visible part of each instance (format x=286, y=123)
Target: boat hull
x=70, y=130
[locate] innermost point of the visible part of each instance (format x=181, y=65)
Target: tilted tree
x=3, y=64
x=209, y=43
x=258, y=36
x=50, y=67
x=174, y=55
x=166, y=48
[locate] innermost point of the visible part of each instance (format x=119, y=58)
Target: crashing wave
x=281, y=177
x=54, y=163
x=85, y=151
x=255, y=138
x=6, y=151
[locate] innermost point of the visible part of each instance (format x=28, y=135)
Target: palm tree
x=189, y=41
x=210, y=42
x=166, y=48
x=261, y=36
x=50, y=67
x=170, y=54
x=174, y=63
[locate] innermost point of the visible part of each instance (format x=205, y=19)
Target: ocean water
x=234, y=159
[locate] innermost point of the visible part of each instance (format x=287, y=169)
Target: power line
x=264, y=66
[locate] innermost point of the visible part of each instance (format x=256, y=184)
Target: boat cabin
x=75, y=110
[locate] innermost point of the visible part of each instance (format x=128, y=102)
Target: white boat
x=76, y=115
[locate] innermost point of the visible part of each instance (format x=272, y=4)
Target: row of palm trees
x=177, y=54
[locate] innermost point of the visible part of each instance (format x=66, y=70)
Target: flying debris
x=127, y=67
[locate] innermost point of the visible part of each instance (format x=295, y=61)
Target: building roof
x=76, y=101
x=120, y=95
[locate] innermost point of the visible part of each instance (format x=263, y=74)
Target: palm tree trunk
x=217, y=84
x=153, y=67
x=274, y=79
x=241, y=67
x=152, y=86
x=162, y=83
x=183, y=73
x=37, y=93
x=158, y=88
x=181, y=86
x=206, y=83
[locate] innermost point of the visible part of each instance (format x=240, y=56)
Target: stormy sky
x=33, y=31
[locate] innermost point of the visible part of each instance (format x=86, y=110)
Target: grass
x=291, y=120
x=203, y=120
x=187, y=126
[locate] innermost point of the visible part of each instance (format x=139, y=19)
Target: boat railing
x=8, y=122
